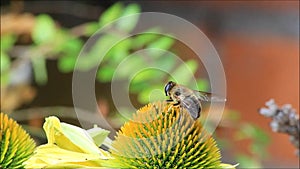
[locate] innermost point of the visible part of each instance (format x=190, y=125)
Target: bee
x=188, y=98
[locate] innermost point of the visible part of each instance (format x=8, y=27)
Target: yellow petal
x=228, y=166
x=69, y=137
x=52, y=156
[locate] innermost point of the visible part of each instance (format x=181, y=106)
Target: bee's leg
x=169, y=100
x=180, y=116
x=176, y=104
x=173, y=104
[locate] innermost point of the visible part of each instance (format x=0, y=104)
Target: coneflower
x=164, y=136
x=16, y=145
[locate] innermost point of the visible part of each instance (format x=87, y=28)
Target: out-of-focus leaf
x=202, y=85
x=7, y=41
x=4, y=81
x=111, y=14
x=132, y=65
x=185, y=71
x=5, y=62
x=163, y=43
x=253, y=132
x=120, y=51
x=122, y=115
x=247, y=162
x=91, y=28
x=222, y=142
x=259, y=149
x=70, y=51
x=66, y=64
x=73, y=46
x=44, y=29
x=61, y=38
x=5, y=65
x=40, y=70
x=232, y=115
x=128, y=24
x=147, y=75
x=91, y=58
x=145, y=38
x=137, y=87
x=105, y=73
x=147, y=95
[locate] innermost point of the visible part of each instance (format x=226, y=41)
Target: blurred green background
x=258, y=43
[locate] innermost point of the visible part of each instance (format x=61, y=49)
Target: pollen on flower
x=16, y=145
x=163, y=135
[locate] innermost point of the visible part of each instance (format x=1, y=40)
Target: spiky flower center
x=16, y=145
x=161, y=135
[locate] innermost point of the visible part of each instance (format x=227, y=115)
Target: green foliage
x=70, y=51
x=44, y=29
x=111, y=14
x=184, y=70
x=52, y=41
x=39, y=70
x=260, y=139
x=163, y=43
x=16, y=146
x=7, y=42
x=5, y=62
x=128, y=24
x=246, y=161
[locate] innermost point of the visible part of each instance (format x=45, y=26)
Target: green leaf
x=145, y=38
x=98, y=135
x=147, y=75
x=119, y=51
x=70, y=51
x=247, y=162
x=129, y=23
x=44, y=29
x=185, y=72
x=4, y=79
x=253, y=132
x=7, y=41
x=90, y=59
x=260, y=150
x=111, y=14
x=202, y=85
x=39, y=70
x=163, y=43
x=5, y=65
x=91, y=28
x=73, y=46
x=137, y=87
x=233, y=115
x=105, y=74
x=151, y=94
x=5, y=62
x=66, y=63
x=132, y=65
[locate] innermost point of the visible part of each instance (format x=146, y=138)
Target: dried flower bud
x=285, y=120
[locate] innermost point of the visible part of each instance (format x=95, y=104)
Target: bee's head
x=169, y=86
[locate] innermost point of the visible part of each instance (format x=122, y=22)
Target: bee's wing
x=205, y=96
x=192, y=105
